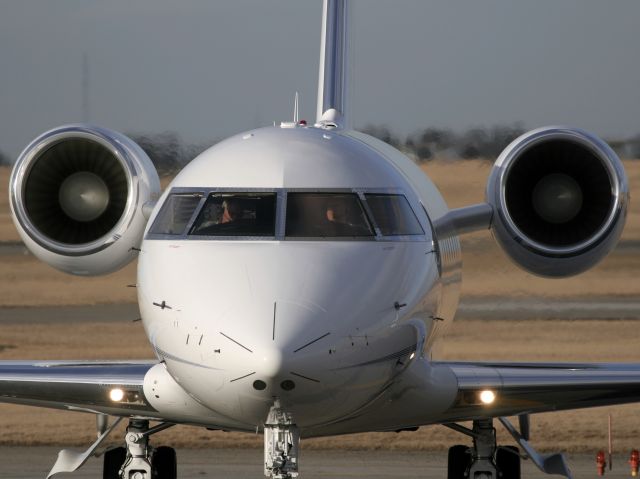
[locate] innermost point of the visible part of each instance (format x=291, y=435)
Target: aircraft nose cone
x=270, y=362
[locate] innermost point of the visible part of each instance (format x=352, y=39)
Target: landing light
x=487, y=397
x=116, y=394
x=413, y=355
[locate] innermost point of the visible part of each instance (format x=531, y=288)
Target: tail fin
x=333, y=78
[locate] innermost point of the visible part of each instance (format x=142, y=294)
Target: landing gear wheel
x=508, y=462
x=458, y=463
x=164, y=464
x=113, y=461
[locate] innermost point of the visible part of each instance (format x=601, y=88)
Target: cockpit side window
x=175, y=214
x=237, y=214
x=326, y=215
x=393, y=215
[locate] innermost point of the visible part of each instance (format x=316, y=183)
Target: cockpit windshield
x=176, y=213
x=278, y=214
x=393, y=215
x=237, y=214
x=321, y=215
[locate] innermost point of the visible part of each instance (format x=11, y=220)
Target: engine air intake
x=77, y=196
x=560, y=197
x=76, y=191
x=559, y=193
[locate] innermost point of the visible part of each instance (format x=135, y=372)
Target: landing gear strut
x=485, y=460
x=281, y=440
x=138, y=460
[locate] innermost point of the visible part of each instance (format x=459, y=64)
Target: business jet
x=294, y=279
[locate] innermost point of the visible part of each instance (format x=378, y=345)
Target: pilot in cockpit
x=341, y=219
x=231, y=211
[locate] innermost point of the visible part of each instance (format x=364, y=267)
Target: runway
x=70, y=314
x=469, y=308
x=35, y=462
x=604, y=307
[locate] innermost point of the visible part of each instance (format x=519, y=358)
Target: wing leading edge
x=77, y=385
x=527, y=388
x=519, y=388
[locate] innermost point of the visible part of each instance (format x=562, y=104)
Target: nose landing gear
x=281, y=441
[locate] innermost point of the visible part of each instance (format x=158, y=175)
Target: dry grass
x=531, y=340
x=7, y=230
x=26, y=281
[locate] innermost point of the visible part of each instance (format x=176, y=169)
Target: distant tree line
x=474, y=143
x=167, y=151
x=4, y=159
x=434, y=142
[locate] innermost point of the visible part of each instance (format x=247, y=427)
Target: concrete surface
x=35, y=462
x=469, y=308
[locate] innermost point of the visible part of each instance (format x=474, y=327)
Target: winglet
x=333, y=77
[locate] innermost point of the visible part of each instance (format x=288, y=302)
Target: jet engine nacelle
x=80, y=197
x=559, y=198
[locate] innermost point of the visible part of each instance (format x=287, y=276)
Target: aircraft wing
x=446, y=392
x=77, y=385
x=526, y=388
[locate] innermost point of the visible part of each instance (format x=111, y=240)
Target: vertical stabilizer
x=333, y=78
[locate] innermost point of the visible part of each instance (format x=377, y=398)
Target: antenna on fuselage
x=296, y=115
x=333, y=78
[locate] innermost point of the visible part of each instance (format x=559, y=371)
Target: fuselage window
x=175, y=214
x=237, y=214
x=393, y=215
x=326, y=215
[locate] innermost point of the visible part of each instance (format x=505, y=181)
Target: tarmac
x=601, y=307
x=35, y=462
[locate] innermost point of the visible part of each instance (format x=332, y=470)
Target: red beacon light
x=601, y=462
x=634, y=462
x=302, y=122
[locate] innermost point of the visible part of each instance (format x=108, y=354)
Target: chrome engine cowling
x=560, y=198
x=80, y=197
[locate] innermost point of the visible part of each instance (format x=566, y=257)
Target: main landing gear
x=138, y=460
x=486, y=460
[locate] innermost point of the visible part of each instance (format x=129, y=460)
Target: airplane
x=293, y=281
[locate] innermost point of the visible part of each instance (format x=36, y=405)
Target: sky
x=208, y=69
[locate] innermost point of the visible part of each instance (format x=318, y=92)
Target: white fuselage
x=323, y=324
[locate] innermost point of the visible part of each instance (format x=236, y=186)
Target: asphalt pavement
x=35, y=462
